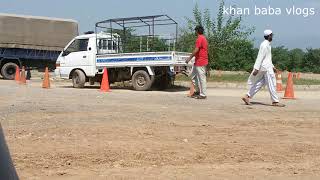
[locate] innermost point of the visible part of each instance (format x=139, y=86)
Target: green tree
x=229, y=46
x=311, y=61
x=132, y=42
x=296, y=59
x=281, y=58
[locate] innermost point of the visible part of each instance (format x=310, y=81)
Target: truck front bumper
x=57, y=73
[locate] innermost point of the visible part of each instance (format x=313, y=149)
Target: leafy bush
x=230, y=46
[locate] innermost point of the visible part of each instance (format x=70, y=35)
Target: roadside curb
x=243, y=85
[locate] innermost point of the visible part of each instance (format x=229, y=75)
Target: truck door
x=76, y=54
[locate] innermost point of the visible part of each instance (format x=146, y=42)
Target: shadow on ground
x=260, y=103
x=171, y=89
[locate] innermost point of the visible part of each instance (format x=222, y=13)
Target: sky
x=291, y=31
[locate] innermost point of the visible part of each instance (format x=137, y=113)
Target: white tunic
x=264, y=59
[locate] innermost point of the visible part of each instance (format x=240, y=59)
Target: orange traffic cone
x=46, y=80
x=105, y=81
x=17, y=77
x=279, y=82
x=191, y=92
x=23, y=76
x=289, y=94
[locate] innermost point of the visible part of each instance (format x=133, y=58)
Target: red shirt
x=202, y=55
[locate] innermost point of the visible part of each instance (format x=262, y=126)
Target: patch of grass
x=230, y=78
x=236, y=78
x=305, y=81
x=243, y=78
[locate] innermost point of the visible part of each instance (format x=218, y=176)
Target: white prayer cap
x=267, y=32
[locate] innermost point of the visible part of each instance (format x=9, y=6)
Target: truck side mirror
x=65, y=53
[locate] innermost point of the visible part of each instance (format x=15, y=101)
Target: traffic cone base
x=46, y=79
x=105, y=81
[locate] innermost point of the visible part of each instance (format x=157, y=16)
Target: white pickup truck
x=85, y=57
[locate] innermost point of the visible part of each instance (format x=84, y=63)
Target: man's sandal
x=194, y=95
x=246, y=100
x=201, y=97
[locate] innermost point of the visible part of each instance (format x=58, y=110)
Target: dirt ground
x=80, y=134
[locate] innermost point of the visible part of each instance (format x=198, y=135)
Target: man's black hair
x=199, y=29
x=267, y=37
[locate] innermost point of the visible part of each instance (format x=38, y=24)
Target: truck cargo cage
x=138, y=34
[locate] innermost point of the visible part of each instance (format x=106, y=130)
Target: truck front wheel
x=141, y=80
x=78, y=79
x=8, y=70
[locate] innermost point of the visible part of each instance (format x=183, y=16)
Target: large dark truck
x=33, y=42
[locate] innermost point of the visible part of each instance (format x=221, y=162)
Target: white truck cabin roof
x=100, y=36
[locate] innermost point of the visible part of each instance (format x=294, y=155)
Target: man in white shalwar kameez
x=263, y=72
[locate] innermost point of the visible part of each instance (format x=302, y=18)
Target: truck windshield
x=78, y=45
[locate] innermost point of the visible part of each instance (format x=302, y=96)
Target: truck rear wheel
x=8, y=70
x=78, y=79
x=141, y=80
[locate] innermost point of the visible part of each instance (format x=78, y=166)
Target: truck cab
x=80, y=53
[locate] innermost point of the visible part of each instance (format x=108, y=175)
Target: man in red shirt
x=198, y=74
